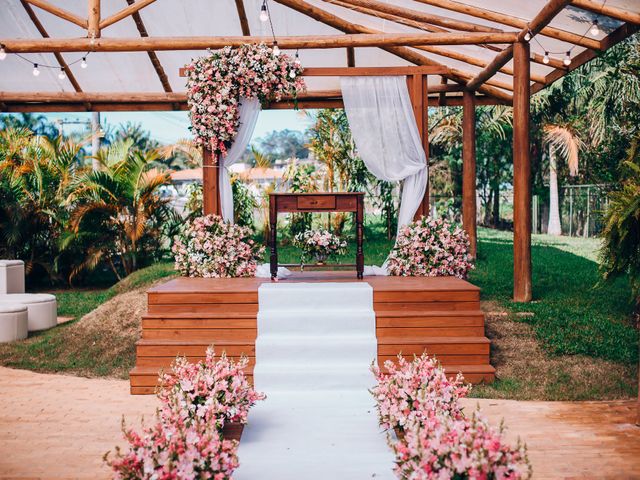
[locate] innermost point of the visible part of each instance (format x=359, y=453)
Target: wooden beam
x=351, y=57
x=153, y=57
x=373, y=71
x=210, y=184
x=419, y=16
x=402, y=52
x=93, y=26
x=132, y=8
x=536, y=58
x=242, y=16
x=469, y=206
x=416, y=85
x=59, y=58
x=607, y=10
x=59, y=12
x=522, y=289
x=539, y=22
x=443, y=94
x=357, y=39
x=512, y=22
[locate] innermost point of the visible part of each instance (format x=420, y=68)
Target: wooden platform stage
x=439, y=315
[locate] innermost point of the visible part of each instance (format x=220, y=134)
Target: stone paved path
x=57, y=426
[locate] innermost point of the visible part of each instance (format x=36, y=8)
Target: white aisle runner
x=315, y=344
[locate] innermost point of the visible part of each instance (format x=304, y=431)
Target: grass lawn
x=574, y=341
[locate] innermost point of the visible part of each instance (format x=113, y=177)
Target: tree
x=118, y=212
x=182, y=154
x=284, y=144
x=563, y=140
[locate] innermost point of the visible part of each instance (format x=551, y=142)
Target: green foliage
x=301, y=178
x=281, y=144
x=244, y=203
x=620, y=254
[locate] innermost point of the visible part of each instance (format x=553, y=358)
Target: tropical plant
x=244, y=203
x=563, y=140
x=620, y=253
x=184, y=153
x=118, y=212
x=300, y=178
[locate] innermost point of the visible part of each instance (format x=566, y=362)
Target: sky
x=167, y=127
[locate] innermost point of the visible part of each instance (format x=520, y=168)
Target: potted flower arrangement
x=413, y=389
x=430, y=248
x=214, y=390
x=211, y=247
x=440, y=446
x=319, y=245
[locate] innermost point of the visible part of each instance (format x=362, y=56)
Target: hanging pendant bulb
x=35, y=72
x=297, y=60
x=62, y=75
x=3, y=54
x=264, y=14
x=546, y=58
x=84, y=63
x=567, y=59
x=276, y=48
x=527, y=36
x=595, y=29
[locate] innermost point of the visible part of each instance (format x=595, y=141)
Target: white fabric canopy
x=249, y=111
x=384, y=129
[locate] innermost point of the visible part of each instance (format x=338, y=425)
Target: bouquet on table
x=319, y=245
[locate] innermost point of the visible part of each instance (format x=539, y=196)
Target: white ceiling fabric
x=133, y=72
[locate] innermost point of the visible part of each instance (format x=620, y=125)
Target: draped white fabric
x=384, y=129
x=249, y=111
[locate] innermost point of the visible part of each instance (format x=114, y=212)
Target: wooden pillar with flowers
x=210, y=183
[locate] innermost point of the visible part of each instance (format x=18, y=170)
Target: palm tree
x=182, y=154
x=118, y=211
x=563, y=140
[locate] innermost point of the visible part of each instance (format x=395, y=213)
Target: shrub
x=415, y=389
x=430, y=248
x=440, y=446
x=214, y=391
x=211, y=247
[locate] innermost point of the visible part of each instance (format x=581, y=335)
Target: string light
x=35, y=72
x=567, y=59
x=595, y=29
x=546, y=58
x=3, y=53
x=276, y=49
x=264, y=14
x=297, y=59
x=62, y=75
x=84, y=63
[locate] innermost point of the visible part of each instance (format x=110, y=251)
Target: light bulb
x=3, y=54
x=62, y=75
x=264, y=15
x=297, y=60
x=567, y=59
x=276, y=49
x=35, y=72
x=527, y=36
x=292, y=74
x=595, y=30
x=84, y=63
x=546, y=58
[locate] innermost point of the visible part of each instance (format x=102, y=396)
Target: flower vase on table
x=319, y=245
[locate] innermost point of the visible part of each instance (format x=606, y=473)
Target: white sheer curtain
x=384, y=129
x=249, y=111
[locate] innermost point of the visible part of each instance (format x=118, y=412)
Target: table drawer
x=317, y=202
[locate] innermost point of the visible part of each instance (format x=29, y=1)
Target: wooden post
x=417, y=84
x=469, y=169
x=521, y=176
x=210, y=184
x=93, y=21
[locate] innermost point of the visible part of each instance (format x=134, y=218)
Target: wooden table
x=316, y=202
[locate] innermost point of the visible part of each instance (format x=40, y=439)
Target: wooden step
x=172, y=348
x=445, y=359
x=166, y=362
x=203, y=308
x=211, y=335
x=427, y=296
x=426, y=318
x=380, y=307
x=410, y=346
x=148, y=376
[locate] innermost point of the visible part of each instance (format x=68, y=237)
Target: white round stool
x=42, y=307
x=13, y=322
x=11, y=276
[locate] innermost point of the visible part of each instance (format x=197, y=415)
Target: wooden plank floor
x=439, y=315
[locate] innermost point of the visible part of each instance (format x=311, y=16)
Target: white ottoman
x=43, y=309
x=11, y=276
x=13, y=322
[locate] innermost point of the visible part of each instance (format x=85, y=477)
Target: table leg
x=359, y=238
x=273, y=237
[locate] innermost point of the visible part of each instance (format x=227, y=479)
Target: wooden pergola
x=453, y=52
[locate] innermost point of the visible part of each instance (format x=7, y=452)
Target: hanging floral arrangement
x=217, y=81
